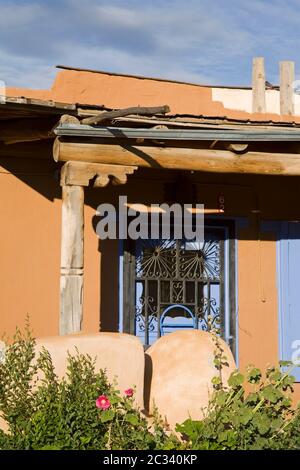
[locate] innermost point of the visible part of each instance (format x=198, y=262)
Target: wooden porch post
x=74, y=177
x=71, y=273
x=287, y=76
x=258, y=86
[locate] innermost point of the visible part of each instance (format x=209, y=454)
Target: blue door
x=289, y=293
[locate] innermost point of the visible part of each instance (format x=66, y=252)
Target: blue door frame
x=288, y=268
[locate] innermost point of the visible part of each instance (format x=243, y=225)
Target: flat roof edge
x=156, y=79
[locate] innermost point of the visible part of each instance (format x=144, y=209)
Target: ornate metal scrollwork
x=209, y=315
x=156, y=259
x=171, y=272
x=143, y=304
x=202, y=262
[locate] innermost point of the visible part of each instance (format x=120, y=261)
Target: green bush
x=263, y=418
x=84, y=411
x=81, y=411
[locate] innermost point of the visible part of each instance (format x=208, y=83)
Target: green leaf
x=216, y=380
x=260, y=443
x=228, y=436
x=288, y=380
x=252, y=398
x=85, y=439
x=276, y=423
x=236, y=379
x=270, y=393
x=245, y=416
x=107, y=415
x=254, y=375
x=221, y=398
x=132, y=419
x=276, y=375
x=286, y=402
x=191, y=429
x=114, y=400
x=262, y=423
x=217, y=363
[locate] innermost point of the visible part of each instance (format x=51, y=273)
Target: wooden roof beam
x=178, y=158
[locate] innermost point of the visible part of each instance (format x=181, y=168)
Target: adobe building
x=235, y=150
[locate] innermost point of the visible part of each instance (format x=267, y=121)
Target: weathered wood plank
x=72, y=227
x=287, y=77
x=71, y=304
x=71, y=280
x=207, y=160
x=138, y=110
x=258, y=86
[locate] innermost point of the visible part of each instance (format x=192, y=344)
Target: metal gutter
x=232, y=135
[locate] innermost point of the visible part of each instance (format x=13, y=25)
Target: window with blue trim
x=170, y=285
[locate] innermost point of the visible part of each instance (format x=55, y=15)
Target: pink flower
x=103, y=402
x=129, y=392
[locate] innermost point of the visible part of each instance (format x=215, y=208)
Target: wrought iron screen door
x=178, y=284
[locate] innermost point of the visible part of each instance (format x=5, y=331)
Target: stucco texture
x=179, y=371
x=121, y=355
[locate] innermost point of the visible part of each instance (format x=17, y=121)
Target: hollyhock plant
x=129, y=392
x=103, y=402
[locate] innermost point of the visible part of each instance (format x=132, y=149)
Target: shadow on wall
x=147, y=380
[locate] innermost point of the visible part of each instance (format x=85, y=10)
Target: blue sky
x=203, y=41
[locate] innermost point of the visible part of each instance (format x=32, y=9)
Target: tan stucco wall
x=179, y=372
x=30, y=214
x=120, y=355
x=30, y=250
x=117, y=91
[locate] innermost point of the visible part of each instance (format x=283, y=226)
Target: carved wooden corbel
x=80, y=174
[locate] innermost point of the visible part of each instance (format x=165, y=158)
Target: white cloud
x=17, y=15
x=109, y=59
x=19, y=71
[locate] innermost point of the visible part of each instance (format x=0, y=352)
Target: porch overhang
x=209, y=149
x=104, y=154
